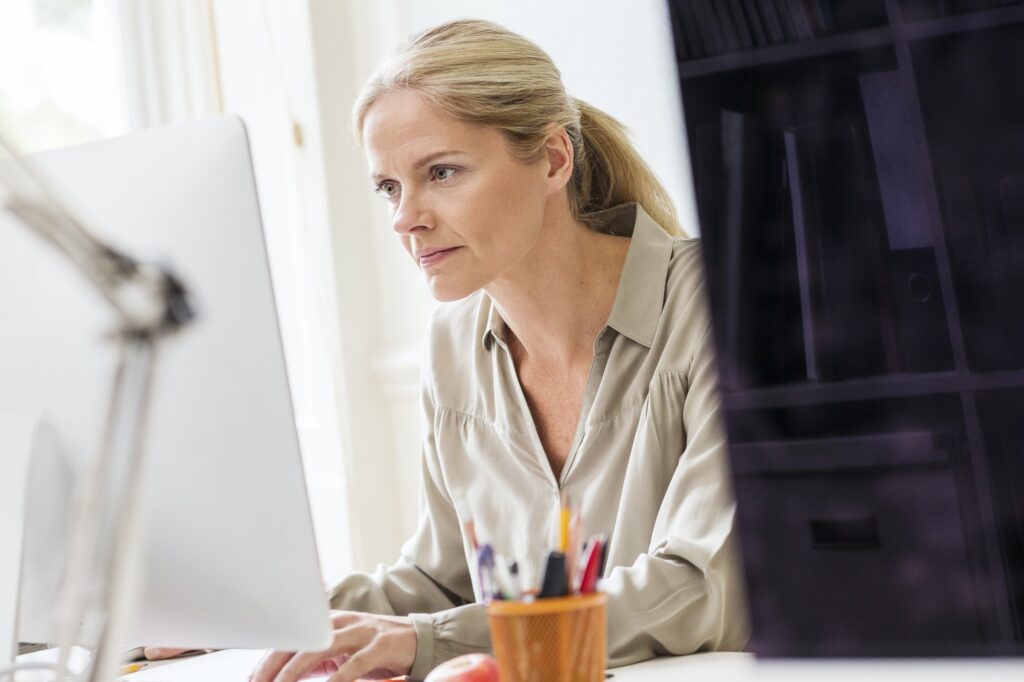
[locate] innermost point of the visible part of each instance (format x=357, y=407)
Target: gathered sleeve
x=685, y=594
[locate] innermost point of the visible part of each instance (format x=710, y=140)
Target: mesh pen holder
x=559, y=639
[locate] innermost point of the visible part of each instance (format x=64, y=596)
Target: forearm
x=399, y=589
x=662, y=605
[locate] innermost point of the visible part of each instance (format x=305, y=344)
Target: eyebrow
x=422, y=162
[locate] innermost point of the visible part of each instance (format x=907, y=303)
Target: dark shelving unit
x=859, y=172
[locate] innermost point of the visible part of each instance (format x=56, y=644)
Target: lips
x=428, y=257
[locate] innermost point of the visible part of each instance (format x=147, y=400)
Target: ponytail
x=609, y=171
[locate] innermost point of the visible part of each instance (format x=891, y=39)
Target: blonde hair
x=480, y=72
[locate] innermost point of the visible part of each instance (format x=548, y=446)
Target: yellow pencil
x=131, y=668
x=563, y=539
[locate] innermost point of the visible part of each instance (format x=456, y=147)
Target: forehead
x=402, y=125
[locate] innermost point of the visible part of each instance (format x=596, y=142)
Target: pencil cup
x=559, y=639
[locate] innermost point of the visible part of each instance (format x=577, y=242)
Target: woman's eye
x=443, y=173
x=387, y=188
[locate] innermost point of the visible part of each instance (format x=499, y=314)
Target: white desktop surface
x=234, y=665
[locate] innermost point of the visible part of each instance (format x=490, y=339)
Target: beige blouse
x=647, y=466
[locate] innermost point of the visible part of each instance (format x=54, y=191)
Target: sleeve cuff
x=424, y=661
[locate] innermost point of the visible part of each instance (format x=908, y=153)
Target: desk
x=235, y=665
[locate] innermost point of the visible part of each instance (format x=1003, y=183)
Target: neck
x=558, y=298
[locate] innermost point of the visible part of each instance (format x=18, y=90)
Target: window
x=60, y=78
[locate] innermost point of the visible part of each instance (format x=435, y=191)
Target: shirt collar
x=641, y=293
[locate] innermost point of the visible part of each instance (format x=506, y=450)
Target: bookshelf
x=859, y=172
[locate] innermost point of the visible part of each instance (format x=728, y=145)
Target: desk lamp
x=98, y=589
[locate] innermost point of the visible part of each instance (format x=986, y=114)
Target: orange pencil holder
x=559, y=639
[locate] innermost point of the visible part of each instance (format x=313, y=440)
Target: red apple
x=468, y=668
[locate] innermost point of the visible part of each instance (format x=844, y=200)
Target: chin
x=446, y=295
x=444, y=292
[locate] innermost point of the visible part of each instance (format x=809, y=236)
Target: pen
x=513, y=570
x=577, y=575
x=572, y=552
x=485, y=570
x=589, y=566
x=131, y=668
x=553, y=584
x=471, y=533
x=503, y=579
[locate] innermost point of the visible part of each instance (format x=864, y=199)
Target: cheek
x=406, y=243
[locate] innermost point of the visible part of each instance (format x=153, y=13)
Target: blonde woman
x=573, y=355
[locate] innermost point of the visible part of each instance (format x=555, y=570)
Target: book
x=724, y=21
x=839, y=249
x=709, y=30
x=972, y=251
x=772, y=21
x=754, y=21
x=787, y=20
x=917, y=314
x=686, y=19
x=683, y=46
x=919, y=321
x=740, y=22
x=742, y=160
x=901, y=168
x=815, y=16
x=801, y=20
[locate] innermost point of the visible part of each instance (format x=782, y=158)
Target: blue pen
x=485, y=572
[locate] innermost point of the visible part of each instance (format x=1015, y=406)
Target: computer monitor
x=230, y=555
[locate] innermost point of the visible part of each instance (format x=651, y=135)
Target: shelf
x=891, y=386
x=784, y=52
x=960, y=23
x=848, y=42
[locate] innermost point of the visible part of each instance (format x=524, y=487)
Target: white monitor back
x=230, y=552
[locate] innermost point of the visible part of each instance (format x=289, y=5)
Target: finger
x=358, y=664
x=342, y=619
x=346, y=641
x=326, y=667
x=301, y=664
x=156, y=653
x=268, y=667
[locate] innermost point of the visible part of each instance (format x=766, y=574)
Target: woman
x=574, y=356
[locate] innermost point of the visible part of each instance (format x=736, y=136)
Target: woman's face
x=465, y=209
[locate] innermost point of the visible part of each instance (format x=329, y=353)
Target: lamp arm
x=148, y=298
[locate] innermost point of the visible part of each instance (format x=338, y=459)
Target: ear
x=559, y=155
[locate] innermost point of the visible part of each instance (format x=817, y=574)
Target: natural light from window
x=60, y=80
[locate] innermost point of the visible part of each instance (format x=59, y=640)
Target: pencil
x=131, y=668
x=563, y=537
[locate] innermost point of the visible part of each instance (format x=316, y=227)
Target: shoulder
x=684, y=328
x=685, y=281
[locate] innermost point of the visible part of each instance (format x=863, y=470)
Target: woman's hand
x=365, y=646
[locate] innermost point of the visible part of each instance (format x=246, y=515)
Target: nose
x=412, y=215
